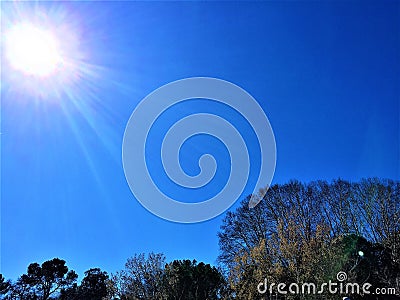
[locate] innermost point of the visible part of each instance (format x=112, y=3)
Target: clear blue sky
x=326, y=73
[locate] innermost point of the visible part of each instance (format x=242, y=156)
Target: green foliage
x=185, y=279
x=94, y=285
x=150, y=278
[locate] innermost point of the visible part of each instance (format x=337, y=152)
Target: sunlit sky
x=327, y=74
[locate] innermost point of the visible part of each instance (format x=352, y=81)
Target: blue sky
x=327, y=74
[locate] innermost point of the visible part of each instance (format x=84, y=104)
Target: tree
x=151, y=279
x=141, y=278
x=41, y=282
x=298, y=231
x=4, y=285
x=94, y=285
x=185, y=279
x=249, y=269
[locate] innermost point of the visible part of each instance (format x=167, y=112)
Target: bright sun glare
x=32, y=50
x=44, y=53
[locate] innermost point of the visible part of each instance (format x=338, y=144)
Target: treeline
x=299, y=233
x=53, y=280
x=144, y=277
x=152, y=278
x=310, y=232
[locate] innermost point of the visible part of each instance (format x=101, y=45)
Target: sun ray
x=48, y=63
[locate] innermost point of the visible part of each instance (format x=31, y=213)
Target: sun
x=46, y=53
x=32, y=50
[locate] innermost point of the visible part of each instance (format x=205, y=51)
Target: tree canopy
x=310, y=232
x=299, y=232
